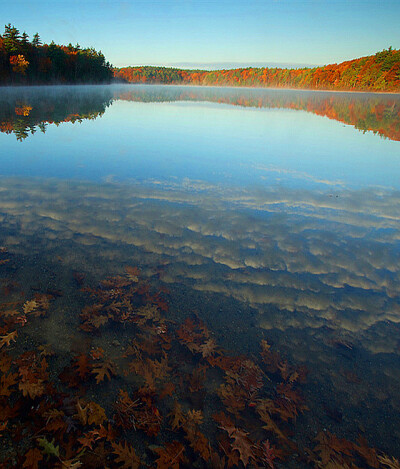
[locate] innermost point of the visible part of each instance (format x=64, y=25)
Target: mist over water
x=268, y=214
x=263, y=138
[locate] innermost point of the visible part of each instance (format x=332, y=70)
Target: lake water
x=217, y=268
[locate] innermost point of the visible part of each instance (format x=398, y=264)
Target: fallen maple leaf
x=267, y=454
x=170, y=456
x=242, y=443
x=93, y=436
x=208, y=348
x=32, y=389
x=82, y=365
x=96, y=414
x=194, y=417
x=32, y=459
x=87, y=440
x=6, y=339
x=126, y=455
x=30, y=306
x=177, y=416
x=105, y=369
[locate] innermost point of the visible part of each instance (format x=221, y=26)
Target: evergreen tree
x=36, y=42
x=12, y=39
x=24, y=62
x=24, y=38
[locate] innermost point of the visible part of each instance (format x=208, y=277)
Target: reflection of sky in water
x=318, y=274
x=315, y=260
x=278, y=212
x=216, y=143
x=310, y=236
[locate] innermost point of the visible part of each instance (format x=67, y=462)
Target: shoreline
x=260, y=88
x=40, y=85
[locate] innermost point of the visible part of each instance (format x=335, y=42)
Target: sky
x=214, y=34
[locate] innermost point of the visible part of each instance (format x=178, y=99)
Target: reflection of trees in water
x=366, y=112
x=24, y=111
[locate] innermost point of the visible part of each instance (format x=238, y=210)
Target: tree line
x=379, y=72
x=25, y=61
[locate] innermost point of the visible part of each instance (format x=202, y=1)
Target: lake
x=210, y=276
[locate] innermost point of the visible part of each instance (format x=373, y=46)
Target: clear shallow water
x=264, y=220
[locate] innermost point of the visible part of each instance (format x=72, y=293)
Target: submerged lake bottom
x=199, y=277
x=188, y=325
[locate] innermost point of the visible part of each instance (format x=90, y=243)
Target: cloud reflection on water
x=302, y=259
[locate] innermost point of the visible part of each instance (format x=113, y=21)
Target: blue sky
x=176, y=32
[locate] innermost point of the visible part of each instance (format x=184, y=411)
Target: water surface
x=263, y=216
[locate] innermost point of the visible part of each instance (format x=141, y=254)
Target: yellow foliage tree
x=19, y=63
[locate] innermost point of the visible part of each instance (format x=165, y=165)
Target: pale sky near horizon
x=216, y=33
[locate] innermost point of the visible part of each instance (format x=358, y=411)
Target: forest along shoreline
x=25, y=61
x=29, y=62
x=376, y=73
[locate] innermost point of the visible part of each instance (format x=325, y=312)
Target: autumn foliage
x=379, y=72
x=170, y=397
x=28, y=62
x=25, y=114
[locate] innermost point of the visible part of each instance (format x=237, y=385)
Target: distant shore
x=376, y=73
